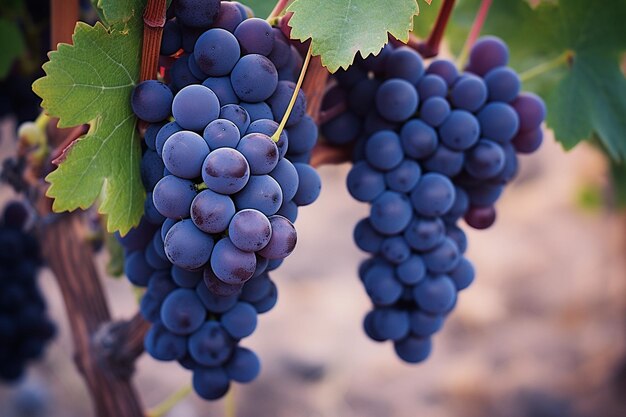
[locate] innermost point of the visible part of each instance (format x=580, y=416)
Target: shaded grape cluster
x=431, y=146
x=25, y=329
x=223, y=193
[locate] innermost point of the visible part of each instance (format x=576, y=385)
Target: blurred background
x=540, y=333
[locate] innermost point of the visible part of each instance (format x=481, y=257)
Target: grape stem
x=280, y=7
x=567, y=57
x=170, y=402
x=230, y=405
x=477, y=27
x=294, y=97
x=430, y=48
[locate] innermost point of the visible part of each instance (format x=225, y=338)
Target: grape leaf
x=585, y=95
x=91, y=82
x=339, y=29
x=11, y=44
x=120, y=11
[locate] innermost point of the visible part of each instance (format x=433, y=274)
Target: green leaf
x=120, y=11
x=585, y=96
x=11, y=44
x=91, y=82
x=339, y=29
x=618, y=175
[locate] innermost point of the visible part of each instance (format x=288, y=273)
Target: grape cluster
x=431, y=146
x=24, y=327
x=223, y=193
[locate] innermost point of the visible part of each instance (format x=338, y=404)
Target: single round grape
x=210, y=345
x=286, y=176
x=137, y=269
x=221, y=133
x=395, y=250
x=481, y=217
x=250, y=230
x=432, y=85
x=151, y=169
x=366, y=238
x=460, y=206
x=229, y=16
x=413, y=349
x=261, y=193
x=425, y=233
x=303, y=136
x=364, y=182
x=260, y=151
x=281, y=53
x=258, y=111
x=288, y=210
x=181, y=75
x=405, y=63
x=397, y=100
x=498, y=121
x=172, y=197
x=460, y=131
x=184, y=278
x=468, y=93
x=183, y=154
x=279, y=102
x=435, y=111
x=418, y=139
x=531, y=111
x=485, y=160
x=283, y=239
x=390, y=324
x=433, y=196
x=463, y=274
x=182, y=312
x=503, y=84
x=383, y=150
x=268, y=302
x=244, y=366
x=195, y=106
x=254, y=78
x=240, y=321
x=435, y=295
x=404, y=177
x=309, y=185
x=226, y=171
x=445, y=69
x=445, y=161
x=269, y=127
x=210, y=383
x=255, y=36
x=163, y=345
x=151, y=101
x=236, y=114
x=230, y=264
x=370, y=330
x=529, y=141
x=222, y=88
x=488, y=53
x=382, y=286
x=164, y=133
x=390, y=213
x=443, y=258
x=219, y=287
x=423, y=324
x=412, y=270
x=212, y=212
x=187, y=246
x=256, y=288
x=484, y=194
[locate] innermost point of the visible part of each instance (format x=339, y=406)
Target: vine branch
x=154, y=19
x=430, y=48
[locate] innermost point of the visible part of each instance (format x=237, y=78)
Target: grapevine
x=181, y=140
